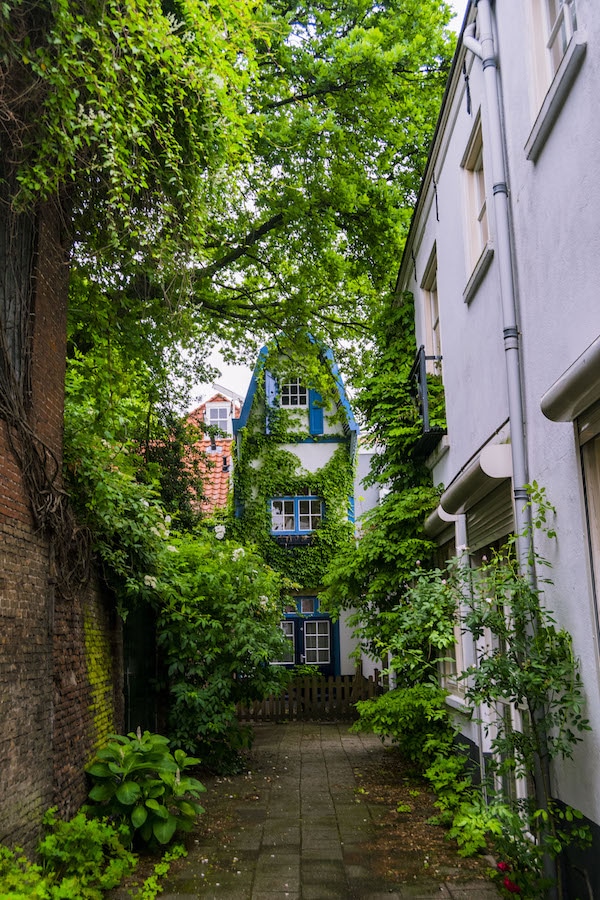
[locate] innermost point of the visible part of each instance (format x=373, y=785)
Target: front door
x=311, y=635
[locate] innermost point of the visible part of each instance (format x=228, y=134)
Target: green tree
x=374, y=575
x=258, y=160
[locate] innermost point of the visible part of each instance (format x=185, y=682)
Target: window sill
x=556, y=96
x=459, y=704
x=481, y=267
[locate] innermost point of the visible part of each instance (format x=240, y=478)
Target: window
x=431, y=315
x=589, y=436
x=477, y=220
x=293, y=393
x=558, y=51
x=317, y=642
x=295, y=514
x=562, y=20
x=218, y=416
x=308, y=605
x=555, y=22
x=289, y=655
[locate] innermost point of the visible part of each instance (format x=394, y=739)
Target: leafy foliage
x=267, y=468
x=416, y=719
x=139, y=782
x=373, y=577
x=258, y=160
x=219, y=630
x=81, y=859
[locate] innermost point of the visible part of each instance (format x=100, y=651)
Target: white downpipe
x=484, y=49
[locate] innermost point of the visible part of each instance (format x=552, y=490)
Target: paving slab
x=303, y=836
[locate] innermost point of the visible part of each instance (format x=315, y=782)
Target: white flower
x=154, y=530
x=167, y=520
x=264, y=601
x=150, y=581
x=172, y=549
x=237, y=554
x=219, y=532
x=489, y=600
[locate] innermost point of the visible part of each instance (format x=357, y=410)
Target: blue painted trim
x=351, y=424
x=335, y=647
x=351, y=511
x=321, y=439
x=315, y=412
x=296, y=498
x=249, y=399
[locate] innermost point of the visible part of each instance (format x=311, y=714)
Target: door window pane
x=317, y=642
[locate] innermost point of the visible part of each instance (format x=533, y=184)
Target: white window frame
x=558, y=50
x=288, y=627
x=317, y=634
x=296, y=515
x=431, y=310
x=223, y=422
x=477, y=223
x=294, y=394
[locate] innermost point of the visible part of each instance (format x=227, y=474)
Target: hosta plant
x=137, y=780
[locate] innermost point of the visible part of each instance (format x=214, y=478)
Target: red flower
x=503, y=867
x=510, y=886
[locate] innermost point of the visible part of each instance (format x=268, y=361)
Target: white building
x=503, y=260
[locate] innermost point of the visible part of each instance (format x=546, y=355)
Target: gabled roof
x=350, y=425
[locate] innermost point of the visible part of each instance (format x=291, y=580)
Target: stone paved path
x=302, y=835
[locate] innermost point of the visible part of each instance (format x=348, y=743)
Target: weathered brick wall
x=88, y=696
x=25, y=664
x=51, y=716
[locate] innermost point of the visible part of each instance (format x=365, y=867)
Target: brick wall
x=51, y=716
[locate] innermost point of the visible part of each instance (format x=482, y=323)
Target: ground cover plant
x=141, y=785
x=527, y=665
x=79, y=860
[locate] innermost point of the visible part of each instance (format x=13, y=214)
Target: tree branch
x=251, y=238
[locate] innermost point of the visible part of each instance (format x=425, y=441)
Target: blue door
x=313, y=637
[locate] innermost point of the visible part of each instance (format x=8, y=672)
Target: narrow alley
x=315, y=818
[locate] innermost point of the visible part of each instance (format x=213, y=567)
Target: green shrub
x=139, y=782
x=451, y=784
x=80, y=860
x=416, y=719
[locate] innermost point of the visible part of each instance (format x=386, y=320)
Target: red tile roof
x=216, y=465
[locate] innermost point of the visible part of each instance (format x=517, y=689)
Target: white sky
x=237, y=378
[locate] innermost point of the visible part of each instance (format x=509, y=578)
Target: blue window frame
x=295, y=515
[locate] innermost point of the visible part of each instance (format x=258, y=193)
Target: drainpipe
x=464, y=563
x=484, y=49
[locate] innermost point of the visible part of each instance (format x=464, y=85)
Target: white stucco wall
x=554, y=203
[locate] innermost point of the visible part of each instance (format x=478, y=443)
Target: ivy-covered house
x=296, y=445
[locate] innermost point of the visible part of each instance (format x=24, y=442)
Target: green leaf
x=139, y=816
x=164, y=831
x=128, y=792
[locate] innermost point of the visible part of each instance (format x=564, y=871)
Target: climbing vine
x=267, y=468
x=372, y=578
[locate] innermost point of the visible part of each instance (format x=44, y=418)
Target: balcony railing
x=428, y=391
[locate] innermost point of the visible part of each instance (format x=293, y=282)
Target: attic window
x=293, y=393
x=218, y=416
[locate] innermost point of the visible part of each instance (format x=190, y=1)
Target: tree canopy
x=258, y=160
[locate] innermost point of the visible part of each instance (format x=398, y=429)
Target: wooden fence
x=314, y=698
